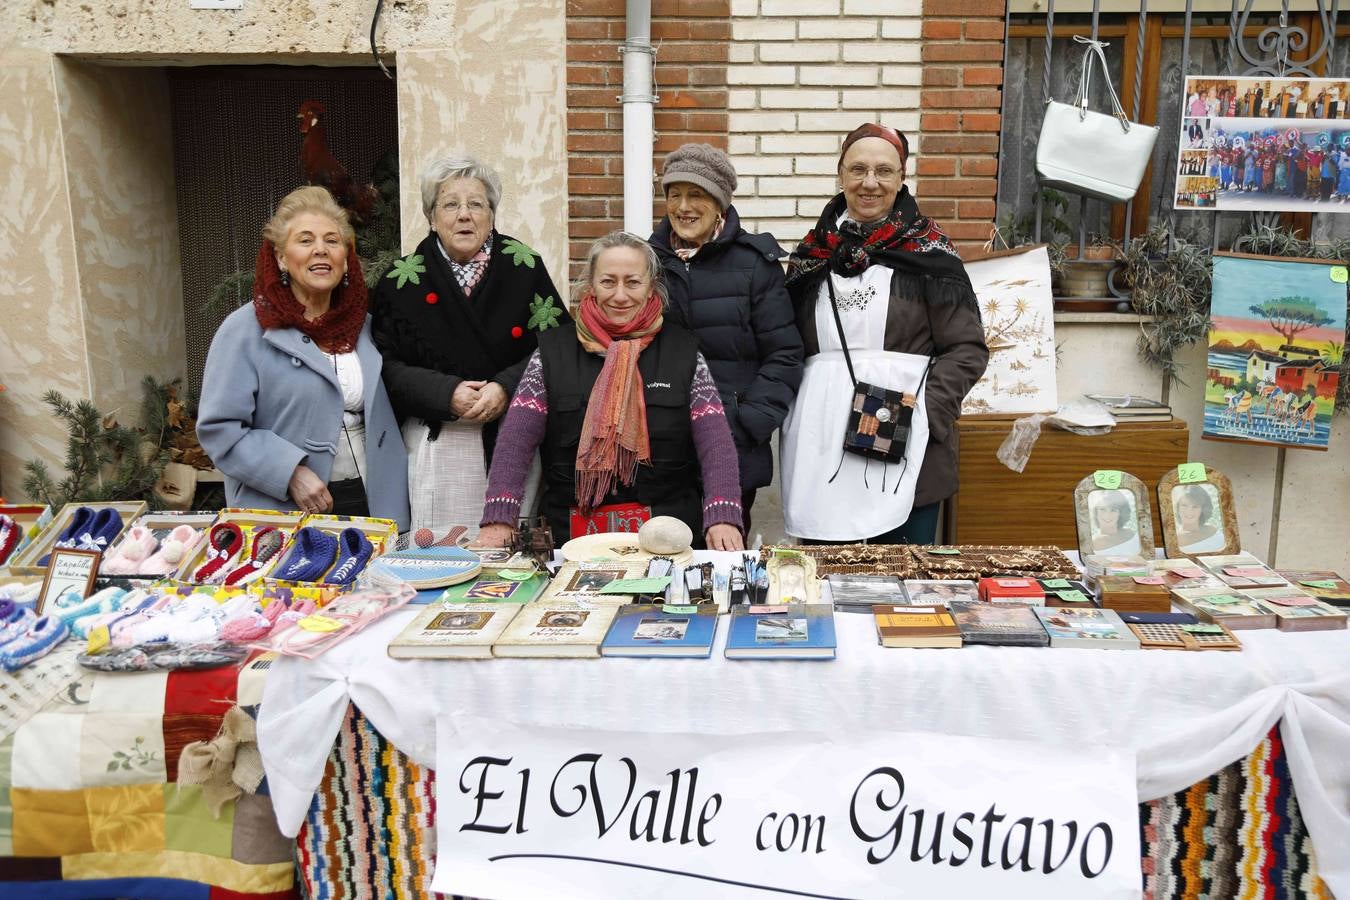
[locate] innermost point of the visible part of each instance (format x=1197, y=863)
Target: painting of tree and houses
x=1276, y=339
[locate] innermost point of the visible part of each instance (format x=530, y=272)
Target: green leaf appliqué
x=543, y=313
x=407, y=269
x=519, y=253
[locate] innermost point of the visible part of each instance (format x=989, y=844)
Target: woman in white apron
x=887, y=279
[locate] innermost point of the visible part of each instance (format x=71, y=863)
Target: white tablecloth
x=1185, y=715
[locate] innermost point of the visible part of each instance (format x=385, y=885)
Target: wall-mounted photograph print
x=1276, y=342
x=1274, y=144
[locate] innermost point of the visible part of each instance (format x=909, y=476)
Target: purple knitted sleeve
x=521, y=434
x=716, y=451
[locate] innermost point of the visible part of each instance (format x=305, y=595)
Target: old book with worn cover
x=1227, y=606
x=453, y=631
x=557, y=628
x=1097, y=629
x=935, y=591
x=584, y=580
x=859, y=593
x=787, y=631
x=645, y=629
x=492, y=588
x=1008, y=625
x=916, y=626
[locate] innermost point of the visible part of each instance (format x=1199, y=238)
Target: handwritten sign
x=1107, y=479
x=1191, y=473
x=523, y=810
x=1073, y=596
x=68, y=571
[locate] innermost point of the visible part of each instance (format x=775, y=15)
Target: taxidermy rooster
x=320, y=167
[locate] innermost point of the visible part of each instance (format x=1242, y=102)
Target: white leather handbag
x=1088, y=152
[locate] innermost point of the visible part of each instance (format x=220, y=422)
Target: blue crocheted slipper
x=354, y=552
x=42, y=638
x=78, y=524
x=313, y=552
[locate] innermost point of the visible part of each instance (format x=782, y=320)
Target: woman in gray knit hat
x=726, y=286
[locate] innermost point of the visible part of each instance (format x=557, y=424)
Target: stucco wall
x=88, y=233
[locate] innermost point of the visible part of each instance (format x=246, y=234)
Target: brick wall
x=692, y=39
x=804, y=73
x=962, y=57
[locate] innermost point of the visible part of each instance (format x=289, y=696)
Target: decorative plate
x=429, y=567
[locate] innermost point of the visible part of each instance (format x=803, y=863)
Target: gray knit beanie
x=703, y=165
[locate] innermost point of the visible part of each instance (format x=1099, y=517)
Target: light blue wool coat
x=271, y=401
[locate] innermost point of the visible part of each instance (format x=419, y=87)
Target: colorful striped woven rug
x=1238, y=834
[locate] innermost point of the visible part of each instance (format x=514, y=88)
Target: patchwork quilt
x=89, y=800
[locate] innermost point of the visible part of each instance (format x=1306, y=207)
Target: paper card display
x=526, y=812
x=1017, y=309
x=1276, y=341
x=1264, y=143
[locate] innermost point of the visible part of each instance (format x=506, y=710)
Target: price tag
x=1189, y=573
x=944, y=551
x=1149, y=579
x=319, y=623
x=1073, y=596
x=1221, y=599
x=1053, y=583
x=1191, y=472
x=1340, y=274
x=636, y=585
x=1203, y=629
x=679, y=610
x=1325, y=584
x=98, y=638
x=1107, y=479
x=1293, y=601
x=515, y=574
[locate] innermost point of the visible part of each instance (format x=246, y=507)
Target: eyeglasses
x=475, y=207
x=858, y=172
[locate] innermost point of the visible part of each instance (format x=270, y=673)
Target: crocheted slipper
x=312, y=552
x=172, y=550
x=120, y=632
x=103, y=530
x=356, y=551
x=134, y=603
x=131, y=552
x=78, y=524
x=267, y=543
x=254, y=627
x=22, y=594
x=156, y=629
x=17, y=626
x=227, y=542
x=205, y=629
x=104, y=601
x=36, y=642
x=10, y=532
x=9, y=611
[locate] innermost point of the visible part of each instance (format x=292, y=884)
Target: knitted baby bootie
x=227, y=542
x=267, y=543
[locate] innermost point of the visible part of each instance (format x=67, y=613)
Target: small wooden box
x=1125, y=593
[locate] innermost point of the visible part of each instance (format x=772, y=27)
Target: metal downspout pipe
x=638, y=133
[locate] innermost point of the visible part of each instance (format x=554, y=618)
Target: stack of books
x=1329, y=587
x=1129, y=408
x=1297, y=610
x=1022, y=591
x=1227, y=607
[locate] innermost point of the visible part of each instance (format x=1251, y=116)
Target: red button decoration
x=517, y=331
x=432, y=298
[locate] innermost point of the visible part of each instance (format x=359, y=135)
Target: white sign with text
x=524, y=812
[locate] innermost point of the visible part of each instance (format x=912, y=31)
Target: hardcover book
x=1227, y=606
x=557, y=628
x=585, y=579
x=796, y=631
x=932, y=592
x=1098, y=629
x=1005, y=624
x=916, y=626
x=1247, y=577
x=859, y=593
x=492, y=588
x=1026, y=591
x=644, y=629
x=1297, y=611
x=453, y=631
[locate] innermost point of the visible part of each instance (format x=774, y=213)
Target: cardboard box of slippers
x=248, y=521
x=380, y=532
x=161, y=524
x=31, y=519
x=28, y=562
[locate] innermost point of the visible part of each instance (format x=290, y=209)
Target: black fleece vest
x=671, y=485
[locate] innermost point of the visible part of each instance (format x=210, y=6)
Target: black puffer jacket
x=731, y=295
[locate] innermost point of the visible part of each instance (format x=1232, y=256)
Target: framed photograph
x=1264, y=143
x=1114, y=516
x=1195, y=504
x=1018, y=312
x=68, y=571
x=1276, y=342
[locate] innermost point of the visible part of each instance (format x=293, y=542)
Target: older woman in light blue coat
x=293, y=410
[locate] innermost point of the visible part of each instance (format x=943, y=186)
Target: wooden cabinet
x=996, y=505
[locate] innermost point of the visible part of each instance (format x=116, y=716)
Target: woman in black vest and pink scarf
x=625, y=414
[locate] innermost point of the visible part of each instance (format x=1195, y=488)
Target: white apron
x=447, y=481
x=828, y=494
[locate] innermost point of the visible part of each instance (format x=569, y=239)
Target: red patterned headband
x=872, y=129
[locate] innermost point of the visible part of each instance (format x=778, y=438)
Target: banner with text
x=524, y=812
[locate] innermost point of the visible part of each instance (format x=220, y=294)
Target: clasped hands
x=478, y=401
